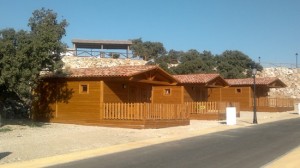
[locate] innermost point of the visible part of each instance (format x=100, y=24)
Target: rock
x=93, y=62
x=290, y=76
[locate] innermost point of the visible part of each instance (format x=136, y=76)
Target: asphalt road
x=248, y=147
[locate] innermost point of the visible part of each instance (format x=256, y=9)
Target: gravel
x=20, y=141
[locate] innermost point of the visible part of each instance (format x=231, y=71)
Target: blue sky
x=269, y=29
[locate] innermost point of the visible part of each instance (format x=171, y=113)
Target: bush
x=14, y=109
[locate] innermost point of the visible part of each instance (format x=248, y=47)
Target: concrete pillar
x=75, y=49
x=230, y=115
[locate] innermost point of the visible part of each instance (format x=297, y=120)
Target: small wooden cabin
x=241, y=90
x=196, y=86
x=197, y=93
x=121, y=96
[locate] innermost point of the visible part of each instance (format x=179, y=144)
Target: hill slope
x=290, y=76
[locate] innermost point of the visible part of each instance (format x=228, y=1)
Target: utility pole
x=296, y=60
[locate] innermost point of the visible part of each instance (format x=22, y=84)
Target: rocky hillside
x=93, y=62
x=291, y=77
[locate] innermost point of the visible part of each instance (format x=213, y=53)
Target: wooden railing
x=149, y=111
x=203, y=107
x=275, y=102
x=210, y=107
x=144, y=111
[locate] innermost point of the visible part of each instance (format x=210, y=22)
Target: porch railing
x=210, y=107
x=149, y=111
x=275, y=102
x=144, y=111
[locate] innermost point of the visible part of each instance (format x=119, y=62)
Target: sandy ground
x=27, y=141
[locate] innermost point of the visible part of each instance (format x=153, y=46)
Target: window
x=238, y=90
x=84, y=88
x=167, y=92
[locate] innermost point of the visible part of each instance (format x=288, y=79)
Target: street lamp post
x=254, y=96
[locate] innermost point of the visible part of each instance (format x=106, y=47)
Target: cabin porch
x=274, y=104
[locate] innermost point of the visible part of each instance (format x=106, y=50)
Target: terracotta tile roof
x=116, y=71
x=196, y=78
x=258, y=81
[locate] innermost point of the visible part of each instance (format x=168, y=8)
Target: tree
x=209, y=59
x=166, y=60
x=190, y=67
x=147, y=50
x=235, y=64
x=193, y=61
x=25, y=54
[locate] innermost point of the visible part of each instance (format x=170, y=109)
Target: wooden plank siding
x=115, y=92
x=232, y=94
x=244, y=95
x=82, y=107
x=195, y=93
x=175, y=95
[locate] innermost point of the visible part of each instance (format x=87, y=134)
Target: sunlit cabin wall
x=167, y=94
x=76, y=101
x=243, y=95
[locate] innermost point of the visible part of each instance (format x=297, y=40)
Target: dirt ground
x=20, y=141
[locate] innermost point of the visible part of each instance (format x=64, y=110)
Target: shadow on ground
x=4, y=154
x=24, y=122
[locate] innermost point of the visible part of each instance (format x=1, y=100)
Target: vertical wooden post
x=182, y=110
x=101, y=107
x=220, y=91
x=56, y=109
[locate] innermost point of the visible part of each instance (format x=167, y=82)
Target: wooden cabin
x=121, y=96
x=196, y=85
x=241, y=90
x=197, y=93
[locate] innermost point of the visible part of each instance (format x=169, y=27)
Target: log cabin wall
x=115, y=92
x=262, y=91
x=139, y=93
x=126, y=92
x=243, y=95
x=214, y=94
x=83, y=106
x=167, y=94
x=195, y=93
x=47, y=94
x=68, y=101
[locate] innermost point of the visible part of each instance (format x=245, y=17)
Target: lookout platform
x=102, y=48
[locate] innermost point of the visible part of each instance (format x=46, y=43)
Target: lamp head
x=254, y=71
